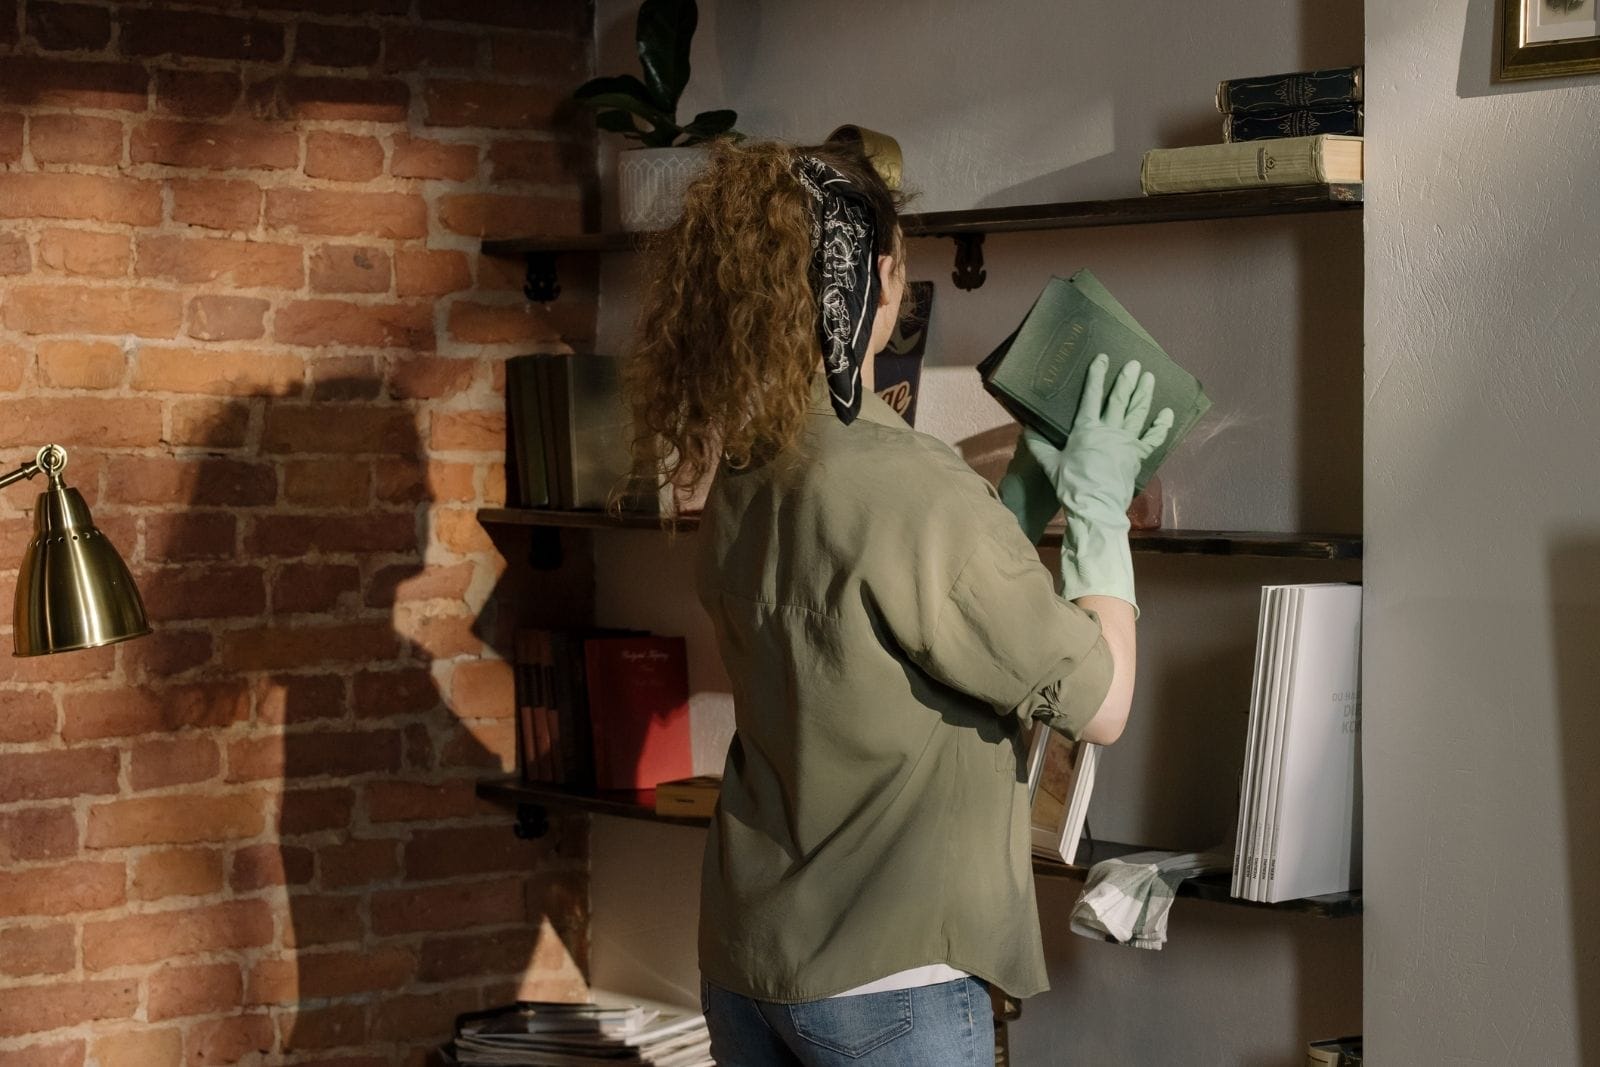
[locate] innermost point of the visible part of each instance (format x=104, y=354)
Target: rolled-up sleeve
x=1005, y=636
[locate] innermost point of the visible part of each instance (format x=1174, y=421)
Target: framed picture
x=1060, y=782
x=1548, y=38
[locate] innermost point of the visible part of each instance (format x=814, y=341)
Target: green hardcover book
x=1038, y=373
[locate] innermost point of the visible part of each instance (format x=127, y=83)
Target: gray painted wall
x=1482, y=691
x=1033, y=101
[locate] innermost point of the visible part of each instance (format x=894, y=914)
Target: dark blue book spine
x=1304, y=122
x=1285, y=92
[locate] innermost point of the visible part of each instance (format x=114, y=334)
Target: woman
x=889, y=630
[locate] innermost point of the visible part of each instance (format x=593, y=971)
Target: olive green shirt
x=889, y=632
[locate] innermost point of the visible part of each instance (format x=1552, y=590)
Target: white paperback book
x=1293, y=657
x=1318, y=845
x=1293, y=601
x=1082, y=792
x=1277, y=642
x=1258, y=681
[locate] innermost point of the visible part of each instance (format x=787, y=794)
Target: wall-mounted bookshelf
x=532, y=802
x=561, y=541
x=968, y=228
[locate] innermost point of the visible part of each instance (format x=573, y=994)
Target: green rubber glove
x=1026, y=489
x=1093, y=478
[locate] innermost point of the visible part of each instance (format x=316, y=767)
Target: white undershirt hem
x=913, y=978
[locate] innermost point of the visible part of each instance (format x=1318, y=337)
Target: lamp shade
x=73, y=590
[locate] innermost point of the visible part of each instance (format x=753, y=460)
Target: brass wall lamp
x=73, y=590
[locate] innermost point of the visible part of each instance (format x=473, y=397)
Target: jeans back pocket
x=854, y=1026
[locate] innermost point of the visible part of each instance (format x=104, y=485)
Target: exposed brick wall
x=239, y=281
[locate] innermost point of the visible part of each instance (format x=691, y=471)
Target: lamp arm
x=52, y=459
x=27, y=470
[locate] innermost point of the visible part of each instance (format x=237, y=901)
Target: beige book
x=1322, y=158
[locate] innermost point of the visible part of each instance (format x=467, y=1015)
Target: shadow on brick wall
x=323, y=635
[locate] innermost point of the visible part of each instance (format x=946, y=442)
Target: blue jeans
x=945, y=1025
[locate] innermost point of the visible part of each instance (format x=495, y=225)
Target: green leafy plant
x=664, y=32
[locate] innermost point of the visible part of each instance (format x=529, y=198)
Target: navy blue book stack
x=1297, y=104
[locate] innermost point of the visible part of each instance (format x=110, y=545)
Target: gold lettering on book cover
x=1051, y=373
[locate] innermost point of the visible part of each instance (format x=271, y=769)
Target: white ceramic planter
x=650, y=184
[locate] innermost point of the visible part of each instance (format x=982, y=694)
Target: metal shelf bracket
x=969, y=273
x=533, y=822
x=540, y=283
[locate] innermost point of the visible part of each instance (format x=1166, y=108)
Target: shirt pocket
x=856, y=1025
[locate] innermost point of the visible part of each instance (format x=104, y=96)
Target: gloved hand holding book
x=1093, y=478
x=1081, y=448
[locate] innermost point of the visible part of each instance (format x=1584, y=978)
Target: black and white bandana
x=844, y=275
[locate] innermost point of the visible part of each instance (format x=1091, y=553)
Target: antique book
x=574, y=749
x=1304, y=122
x=639, y=710
x=1039, y=372
x=1325, y=157
x=532, y=694
x=1281, y=92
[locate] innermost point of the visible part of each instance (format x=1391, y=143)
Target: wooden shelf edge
x=622, y=803
x=1136, y=210
x=1170, y=542
x=610, y=241
x=1216, y=888
x=1070, y=214
x=640, y=804
x=584, y=519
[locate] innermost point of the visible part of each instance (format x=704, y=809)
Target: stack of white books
x=611, y=1029
x=1299, y=832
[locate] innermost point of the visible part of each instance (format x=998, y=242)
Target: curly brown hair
x=726, y=348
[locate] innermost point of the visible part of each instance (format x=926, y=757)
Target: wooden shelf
x=1137, y=210
x=531, y=800
x=1071, y=214
x=1172, y=542
x=582, y=519
x=969, y=227
x=578, y=242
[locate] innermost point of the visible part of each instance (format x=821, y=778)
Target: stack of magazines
x=612, y=1029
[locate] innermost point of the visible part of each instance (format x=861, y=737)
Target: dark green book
x=1038, y=373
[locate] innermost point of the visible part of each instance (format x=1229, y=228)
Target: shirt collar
x=873, y=407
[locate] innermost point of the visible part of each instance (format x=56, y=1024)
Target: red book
x=528, y=698
x=639, y=710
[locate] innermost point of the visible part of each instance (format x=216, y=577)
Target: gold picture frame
x=1548, y=38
